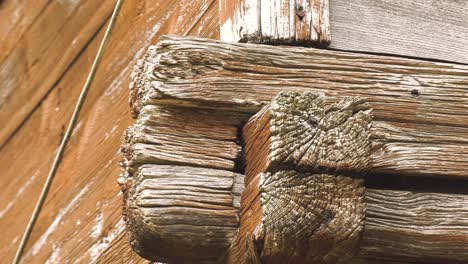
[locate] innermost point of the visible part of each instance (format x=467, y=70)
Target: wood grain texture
x=278, y=210
x=420, y=108
x=296, y=22
x=418, y=28
x=292, y=217
x=45, y=51
x=180, y=214
x=416, y=226
x=424, y=29
x=289, y=216
x=299, y=131
x=81, y=221
x=163, y=136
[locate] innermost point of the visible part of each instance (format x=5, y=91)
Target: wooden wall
x=46, y=50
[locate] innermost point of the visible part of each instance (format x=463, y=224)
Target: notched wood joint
x=303, y=202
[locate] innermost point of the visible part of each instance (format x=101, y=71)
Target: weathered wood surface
x=415, y=226
x=304, y=217
x=184, y=137
x=430, y=30
x=81, y=221
x=180, y=214
x=411, y=100
x=181, y=195
x=294, y=22
x=293, y=217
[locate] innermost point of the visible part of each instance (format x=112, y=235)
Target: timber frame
x=195, y=99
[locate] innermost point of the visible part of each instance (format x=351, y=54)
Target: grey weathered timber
x=292, y=212
x=181, y=194
x=416, y=28
x=303, y=22
x=420, y=108
x=424, y=29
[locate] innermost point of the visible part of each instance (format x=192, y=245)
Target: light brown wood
x=48, y=46
x=415, y=226
x=409, y=106
x=297, y=22
x=183, y=137
x=85, y=189
x=82, y=219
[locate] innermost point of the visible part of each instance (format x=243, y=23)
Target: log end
x=181, y=214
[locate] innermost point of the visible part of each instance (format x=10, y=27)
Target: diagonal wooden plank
x=46, y=50
x=15, y=19
x=71, y=221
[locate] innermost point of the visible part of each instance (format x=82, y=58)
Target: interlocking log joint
x=298, y=207
x=192, y=97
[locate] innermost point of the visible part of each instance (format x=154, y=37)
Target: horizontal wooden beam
x=420, y=226
x=181, y=194
x=305, y=202
x=419, y=108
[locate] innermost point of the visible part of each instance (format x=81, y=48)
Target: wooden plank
x=409, y=104
x=163, y=136
x=419, y=29
x=409, y=226
x=82, y=218
x=430, y=30
x=15, y=19
x=46, y=50
x=275, y=22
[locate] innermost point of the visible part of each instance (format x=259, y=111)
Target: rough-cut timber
x=411, y=99
x=309, y=217
x=163, y=135
x=178, y=214
x=181, y=196
x=305, y=217
x=303, y=22
x=293, y=217
x=81, y=221
x=417, y=226
x=298, y=131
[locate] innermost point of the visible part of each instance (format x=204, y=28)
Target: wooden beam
x=419, y=108
x=292, y=212
x=415, y=226
x=275, y=22
x=181, y=195
x=177, y=214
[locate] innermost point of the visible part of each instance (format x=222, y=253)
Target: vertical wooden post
x=296, y=22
